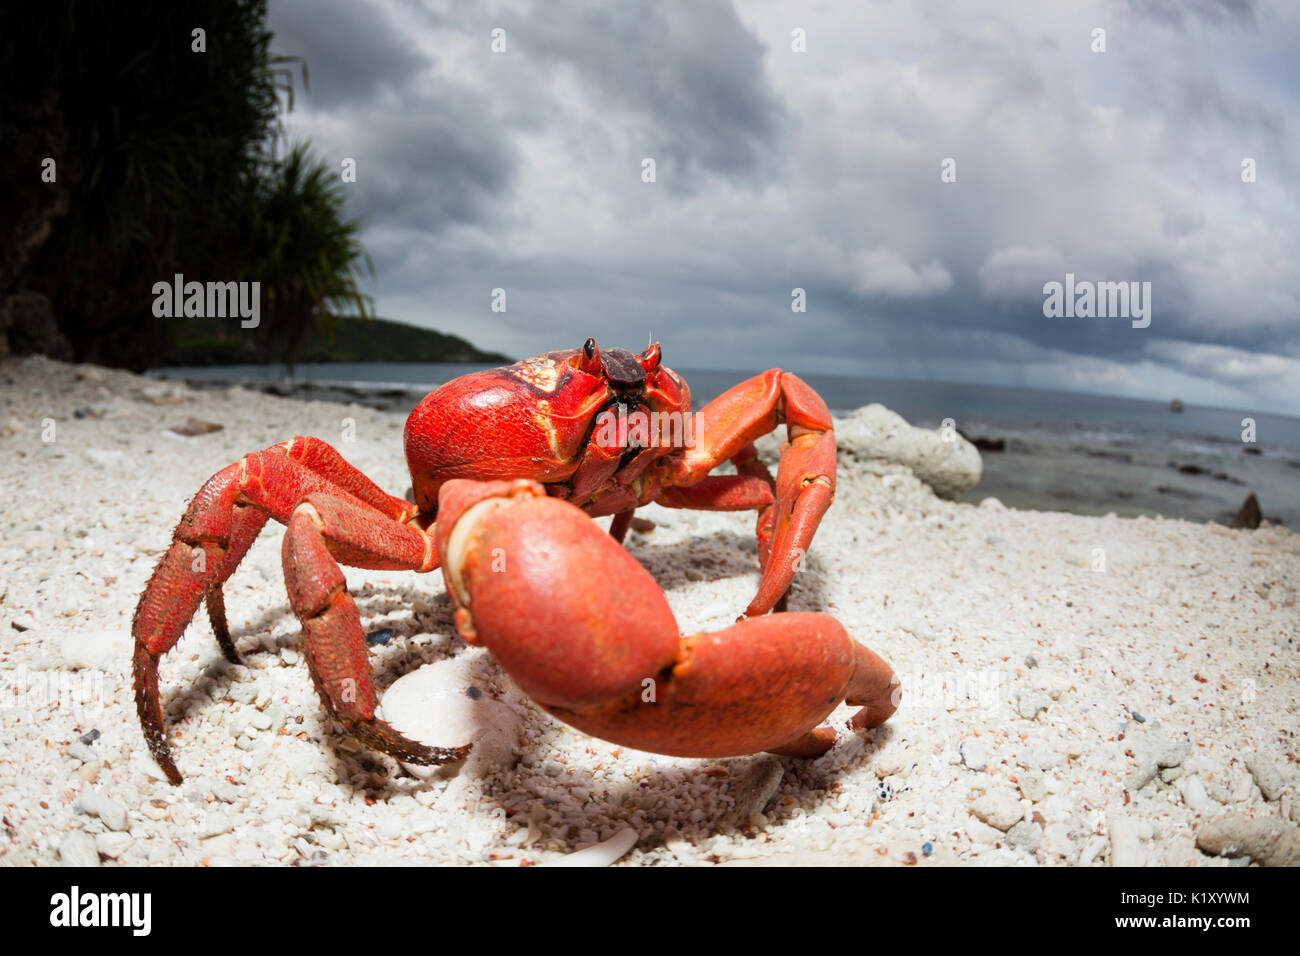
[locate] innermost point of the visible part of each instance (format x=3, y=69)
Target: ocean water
x=1064, y=451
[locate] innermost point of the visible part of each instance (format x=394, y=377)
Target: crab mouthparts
x=623, y=369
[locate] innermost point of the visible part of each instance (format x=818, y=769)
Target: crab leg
x=216, y=531
x=323, y=530
x=325, y=461
x=805, y=482
x=600, y=649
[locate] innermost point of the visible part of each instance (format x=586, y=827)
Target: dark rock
x=196, y=426
x=1177, y=492
x=983, y=443
x=28, y=321
x=1105, y=453
x=1251, y=450
x=1249, y=516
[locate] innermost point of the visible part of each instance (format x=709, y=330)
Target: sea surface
x=1063, y=451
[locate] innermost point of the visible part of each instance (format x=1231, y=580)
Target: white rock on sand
x=1173, y=632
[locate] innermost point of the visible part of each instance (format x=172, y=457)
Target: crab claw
x=586, y=631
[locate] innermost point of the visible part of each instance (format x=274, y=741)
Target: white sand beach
x=1076, y=690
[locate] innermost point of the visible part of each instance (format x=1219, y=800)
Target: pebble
x=1242, y=784
x=112, y=845
x=1266, y=842
x=1143, y=775
x=381, y=636
x=1125, y=848
x=1093, y=847
x=998, y=808
x=214, y=824
x=1031, y=703
x=1173, y=753
x=972, y=754
x=894, y=761
x=81, y=752
x=89, y=737
x=1266, y=775
x=106, y=808
x=1033, y=784
x=78, y=849
x=1216, y=791
x=1193, y=792
x=1032, y=759
x=1056, y=838
x=224, y=790
x=1153, y=754
x=1025, y=836
x=981, y=832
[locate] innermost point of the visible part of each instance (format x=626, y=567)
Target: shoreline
x=1074, y=468
x=1055, y=712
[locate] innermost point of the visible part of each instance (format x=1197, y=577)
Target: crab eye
x=650, y=357
x=590, y=362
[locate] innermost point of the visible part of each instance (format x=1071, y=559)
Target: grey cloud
x=691, y=75
x=1178, y=12
x=520, y=171
x=350, y=48
x=436, y=160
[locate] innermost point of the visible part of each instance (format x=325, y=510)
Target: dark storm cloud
x=349, y=47
x=443, y=162
x=1178, y=12
x=820, y=170
x=693, y=75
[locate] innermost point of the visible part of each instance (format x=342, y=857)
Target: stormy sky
x=820, y=169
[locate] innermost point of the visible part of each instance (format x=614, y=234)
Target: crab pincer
x=588, y=634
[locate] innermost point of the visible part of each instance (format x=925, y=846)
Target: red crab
x=508, y=466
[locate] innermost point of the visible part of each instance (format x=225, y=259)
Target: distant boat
x=1176, y=405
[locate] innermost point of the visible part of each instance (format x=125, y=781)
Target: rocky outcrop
x=28, y=327
x=1249, y=516
x=941, y=457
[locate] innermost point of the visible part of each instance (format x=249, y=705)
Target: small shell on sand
x=602, y=854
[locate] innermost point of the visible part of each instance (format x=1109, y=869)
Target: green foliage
x=305, y=252
x=161, y=142
x=222, y=342
x=168, y=163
